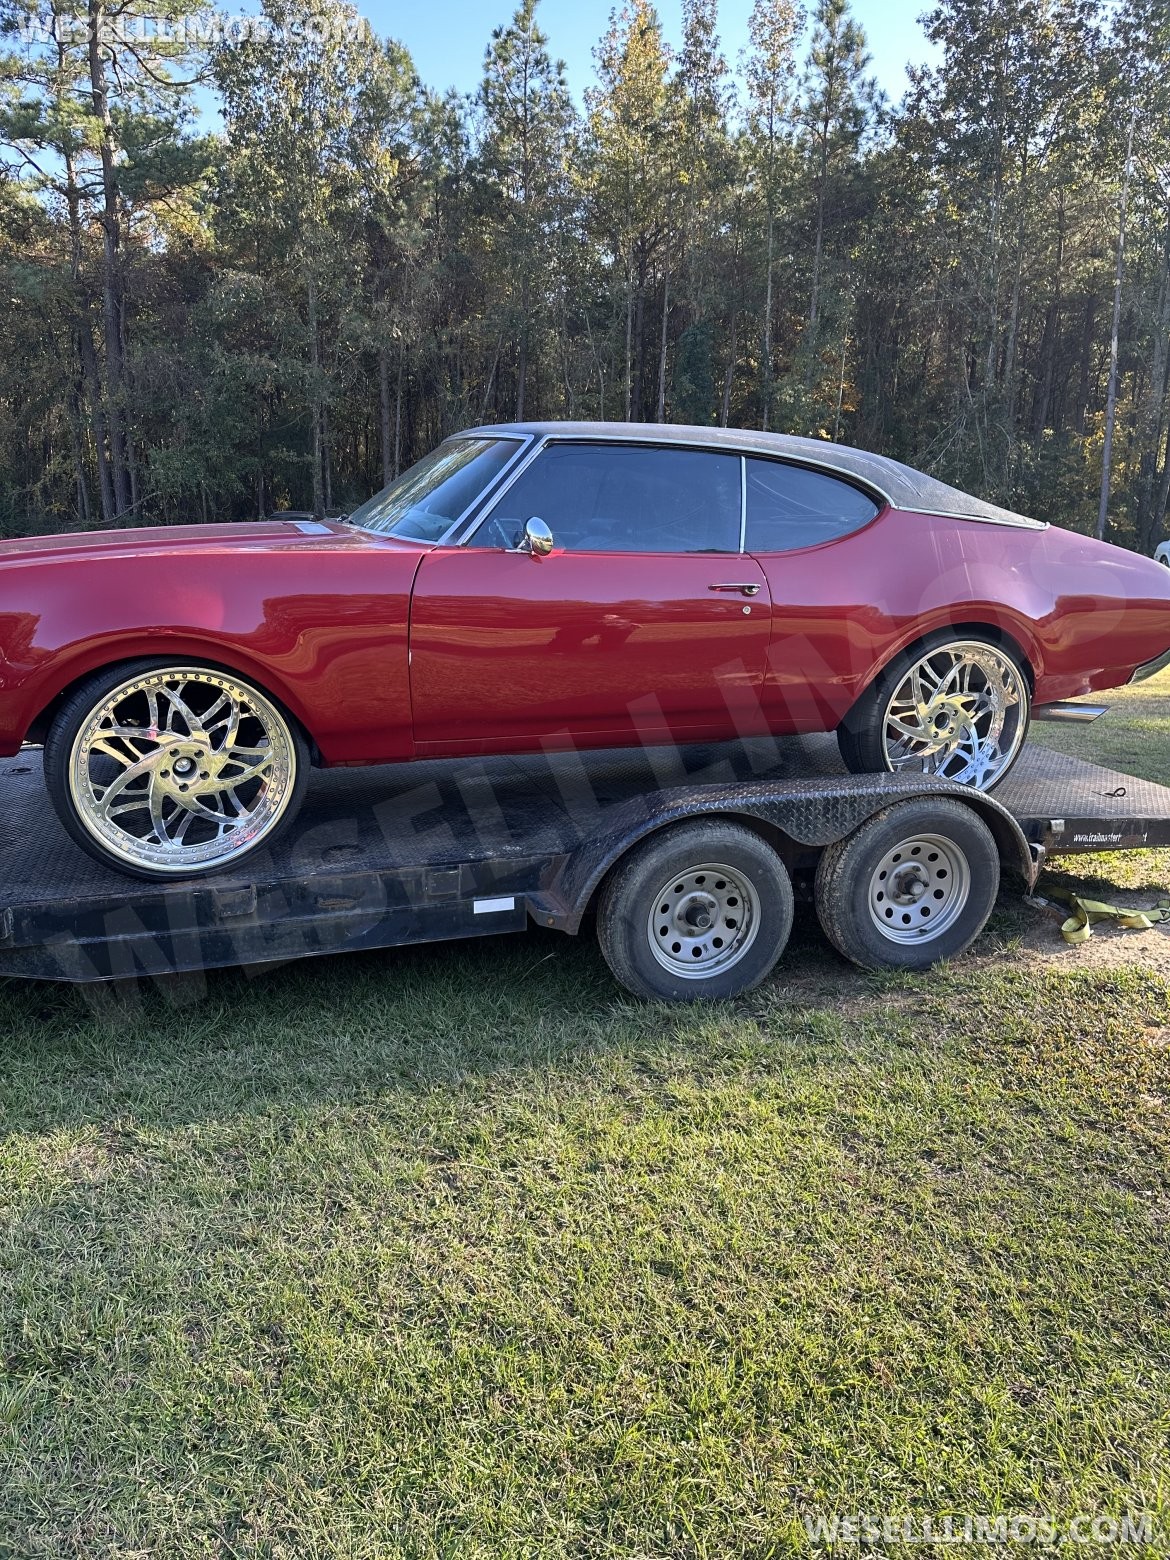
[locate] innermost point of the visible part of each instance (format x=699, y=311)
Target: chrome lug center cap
x=186, y=766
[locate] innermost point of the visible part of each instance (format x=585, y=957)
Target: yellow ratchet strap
x=1086, y=913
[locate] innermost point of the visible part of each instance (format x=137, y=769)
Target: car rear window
x=794, y=506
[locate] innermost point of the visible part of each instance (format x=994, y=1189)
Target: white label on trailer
x=489, y=906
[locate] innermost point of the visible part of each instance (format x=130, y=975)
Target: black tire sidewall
x=845, y=870
x=625, y=901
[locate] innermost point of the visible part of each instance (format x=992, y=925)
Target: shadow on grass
x=359, y=1028
x=344, y=1027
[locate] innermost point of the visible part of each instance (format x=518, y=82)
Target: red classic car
x=546, y=585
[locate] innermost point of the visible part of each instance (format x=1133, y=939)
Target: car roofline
x=900, y=486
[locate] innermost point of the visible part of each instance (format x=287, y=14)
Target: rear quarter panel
x=1083, y=614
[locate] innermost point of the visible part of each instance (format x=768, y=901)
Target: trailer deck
x=449, y=849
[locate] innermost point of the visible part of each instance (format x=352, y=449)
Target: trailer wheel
x=702, y=910
x=914, y=884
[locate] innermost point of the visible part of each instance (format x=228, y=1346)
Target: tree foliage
x=290, y=310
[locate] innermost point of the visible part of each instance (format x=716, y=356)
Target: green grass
x=1134, y=736
x=455, y=1252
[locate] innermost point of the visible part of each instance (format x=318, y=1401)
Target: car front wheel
x=955, y=708
x=173, y=770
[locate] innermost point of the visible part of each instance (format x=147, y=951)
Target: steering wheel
x=502, y=533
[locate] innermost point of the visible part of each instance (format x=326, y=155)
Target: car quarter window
x=623, y=498
x=791, y=506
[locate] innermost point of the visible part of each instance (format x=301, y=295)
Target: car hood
x=251, y=536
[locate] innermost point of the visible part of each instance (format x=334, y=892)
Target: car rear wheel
x=701, y=910
x=173, y=770
x=955, y=708
x=913, y=885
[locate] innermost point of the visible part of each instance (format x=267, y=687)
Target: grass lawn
x=457, y=1252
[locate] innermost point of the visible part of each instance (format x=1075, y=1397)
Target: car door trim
x=470, y=527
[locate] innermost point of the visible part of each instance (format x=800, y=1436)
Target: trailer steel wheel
x=173, y=770
x=914, y=884
x=701, y=910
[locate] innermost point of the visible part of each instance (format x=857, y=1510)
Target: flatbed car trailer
x=688, y=858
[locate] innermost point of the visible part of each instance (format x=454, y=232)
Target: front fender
x=323, y=630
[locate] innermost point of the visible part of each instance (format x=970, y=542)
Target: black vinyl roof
x=900, y=485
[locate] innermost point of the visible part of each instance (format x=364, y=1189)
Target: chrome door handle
x=745, y=588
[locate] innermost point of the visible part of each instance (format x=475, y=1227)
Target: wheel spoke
x=186, y=714
x=960, y=711
x=209, y=774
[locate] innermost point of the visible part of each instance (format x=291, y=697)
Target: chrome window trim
x=742, y=505
x=845, y=479
x=885, y=482
x=504, y=438
x=501, y=490
x=543, y=441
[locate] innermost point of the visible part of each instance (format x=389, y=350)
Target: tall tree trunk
x=1111, y=394
x=766, y=413
x=111, y=258
x=729, y=376
x=1048, y=340
x=819, y=243
x=1088, y=336
x=639, y=346
x=384, y=409
x=629, y=336
x=661, y=407
x=88, y=390
x=326, y=463
x=522, y=367
x=1009, y=366
x=315, y=401
x=398, y=417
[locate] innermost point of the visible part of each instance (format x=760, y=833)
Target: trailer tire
x=913, y=885
x=700, y=911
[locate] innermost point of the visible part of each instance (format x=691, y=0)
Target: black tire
x=860, y=735
x=84, y=702
x=852, y=896
x=754, y=876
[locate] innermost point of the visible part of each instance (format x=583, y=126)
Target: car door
x=644, y=624
x=811, y=532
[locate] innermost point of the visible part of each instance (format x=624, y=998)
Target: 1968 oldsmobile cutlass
x=547, y=585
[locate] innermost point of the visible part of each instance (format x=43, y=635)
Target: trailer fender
x=805, y=813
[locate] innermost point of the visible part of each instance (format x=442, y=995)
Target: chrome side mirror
x=538, y=539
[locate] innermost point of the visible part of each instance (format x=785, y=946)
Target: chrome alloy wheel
x=960, y=712
x=182, y=769
x=918, y=889
x=703, y=921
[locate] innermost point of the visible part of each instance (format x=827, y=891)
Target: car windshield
x=422, y=503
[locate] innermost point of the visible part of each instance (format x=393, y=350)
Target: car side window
x=792, y=506
x=623, y=498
